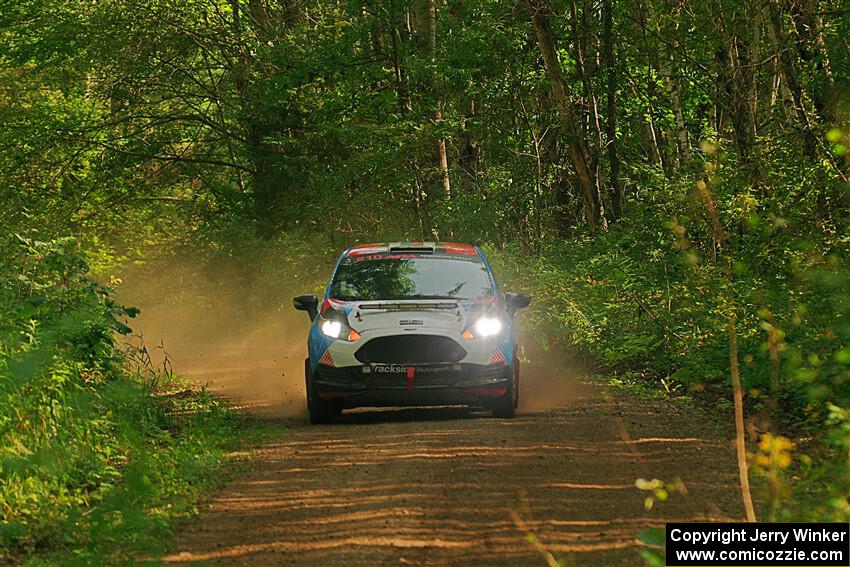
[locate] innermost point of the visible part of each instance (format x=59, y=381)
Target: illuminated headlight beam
x=488, y=326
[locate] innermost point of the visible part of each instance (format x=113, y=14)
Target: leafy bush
x=93, y=461
x=649, y=298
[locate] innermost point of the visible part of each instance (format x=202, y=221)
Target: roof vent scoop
x=420, y=247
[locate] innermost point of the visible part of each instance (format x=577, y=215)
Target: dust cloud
x=238, y=335
x=550, y=379
x=243, y=340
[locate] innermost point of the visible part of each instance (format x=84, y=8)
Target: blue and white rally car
x=411, y=324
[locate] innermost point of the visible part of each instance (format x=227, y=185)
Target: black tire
x=505, y=407
x=321, y=411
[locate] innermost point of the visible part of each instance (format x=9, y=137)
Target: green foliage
x=94, y=462
x=264, y=136
x=653, y=553
x=648, y=297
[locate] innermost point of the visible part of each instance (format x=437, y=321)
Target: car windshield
x=410, y=276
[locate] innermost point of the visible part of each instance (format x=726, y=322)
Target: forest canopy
x=523, y=121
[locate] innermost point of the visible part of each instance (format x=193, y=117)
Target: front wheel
x=321, y=411
x=505, y=407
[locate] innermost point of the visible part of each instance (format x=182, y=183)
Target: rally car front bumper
x=393, y=385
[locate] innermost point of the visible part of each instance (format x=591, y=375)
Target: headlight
x=487, y=327
x=332, y=329
x=336, y=329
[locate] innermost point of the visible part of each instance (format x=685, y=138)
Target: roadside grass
x=193, y=445
x=99, y=452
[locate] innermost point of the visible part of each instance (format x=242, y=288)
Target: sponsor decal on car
x=405, y=368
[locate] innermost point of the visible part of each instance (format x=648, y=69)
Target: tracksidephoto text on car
x=411, y=324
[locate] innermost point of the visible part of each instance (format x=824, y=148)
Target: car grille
x=410, y=349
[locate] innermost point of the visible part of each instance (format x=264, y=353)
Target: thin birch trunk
x=672, y=85
x=426, y=30
x=593, y=115
x=789, y=73
x=617, y=196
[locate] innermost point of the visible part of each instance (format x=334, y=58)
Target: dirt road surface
x=454, y=487
x=430, y=486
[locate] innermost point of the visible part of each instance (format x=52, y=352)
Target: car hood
x=411, y=315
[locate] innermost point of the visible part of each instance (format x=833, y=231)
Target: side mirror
x=517, y=301
x=308, y=303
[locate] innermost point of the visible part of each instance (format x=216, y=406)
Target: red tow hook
x=411, y=372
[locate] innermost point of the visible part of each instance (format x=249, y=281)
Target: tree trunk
x=576, y=146
x=737, y=75
x=426, y=32
x=811, y=45
x=672, y=85
x=650, y=136
x=397, y=45
x=470, y=144
x=780, y=87
x=595, y=149
x=617, y=196
x=789, y=73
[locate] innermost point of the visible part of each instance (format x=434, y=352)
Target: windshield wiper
x=456, y=289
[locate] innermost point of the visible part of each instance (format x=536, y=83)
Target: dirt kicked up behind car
x=411, y=324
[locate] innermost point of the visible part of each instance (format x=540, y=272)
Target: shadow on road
x=397, y=415
x=445, y=486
